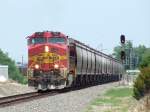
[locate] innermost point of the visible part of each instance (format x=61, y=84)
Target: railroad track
x=15, y=99
x=11, y=100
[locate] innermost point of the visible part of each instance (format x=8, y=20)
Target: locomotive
x=56, y=61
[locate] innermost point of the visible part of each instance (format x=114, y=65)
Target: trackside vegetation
x=117, y=99
x=13, y=71
x=142, y=83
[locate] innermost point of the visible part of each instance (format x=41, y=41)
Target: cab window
x=57, y=40
x=38, y=40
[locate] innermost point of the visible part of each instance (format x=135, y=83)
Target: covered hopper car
x=56, y=61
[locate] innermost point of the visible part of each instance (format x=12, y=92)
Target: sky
x=98, y=23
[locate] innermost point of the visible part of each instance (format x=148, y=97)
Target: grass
x=106, y=100
x=119, y=92
x=114, y=100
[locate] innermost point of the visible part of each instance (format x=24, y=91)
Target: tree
x=13, y=71
x=145, y=61
x=140, y=50
x=135, y=57
x=117, y=51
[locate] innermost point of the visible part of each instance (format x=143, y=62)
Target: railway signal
x=122, y=39
x=122, y=53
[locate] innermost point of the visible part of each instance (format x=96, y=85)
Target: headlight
x=37, y=66
x=56, y=66
x=46, y=49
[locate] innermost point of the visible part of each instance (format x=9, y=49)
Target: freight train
x=56, y=61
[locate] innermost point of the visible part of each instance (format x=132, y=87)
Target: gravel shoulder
x=74, y=101
x=13, y=88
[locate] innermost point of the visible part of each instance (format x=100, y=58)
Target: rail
x=11, y=100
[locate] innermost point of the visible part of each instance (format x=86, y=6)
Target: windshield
x=57, y=40
x=38, y=40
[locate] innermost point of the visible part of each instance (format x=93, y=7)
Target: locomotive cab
x=47, y=60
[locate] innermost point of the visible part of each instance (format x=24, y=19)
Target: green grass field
x=117, y=99
x=119, y=92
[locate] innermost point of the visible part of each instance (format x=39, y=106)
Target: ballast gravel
x=73, y=101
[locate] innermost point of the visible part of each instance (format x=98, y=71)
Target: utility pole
x=131, y=55
x=131, y=58
x=22, y=60
x=100, y=47
x=22, y=63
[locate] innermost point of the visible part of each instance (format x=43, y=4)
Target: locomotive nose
x=49, y=58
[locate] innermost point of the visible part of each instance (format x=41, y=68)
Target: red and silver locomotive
x=56, y=61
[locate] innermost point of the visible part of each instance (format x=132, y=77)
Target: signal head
x=123, y=56
x=122, y=39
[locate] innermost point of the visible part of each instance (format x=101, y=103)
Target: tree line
x=135, y=56
x=13, y=71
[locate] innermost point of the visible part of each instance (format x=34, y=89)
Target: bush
x=142, y=83
x=146, y=75
x=138, y=87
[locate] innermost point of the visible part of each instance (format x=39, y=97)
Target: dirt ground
x=12, y=88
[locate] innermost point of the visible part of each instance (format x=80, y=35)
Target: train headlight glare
x=36, y=66
x=56, y=66
x=46, y=49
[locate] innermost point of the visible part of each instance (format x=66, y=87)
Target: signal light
x=123, y=55
x=122, y=39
